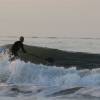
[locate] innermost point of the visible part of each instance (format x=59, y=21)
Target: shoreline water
x=60, y=58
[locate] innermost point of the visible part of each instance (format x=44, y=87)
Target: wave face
x=50, y=81
x=19, y=72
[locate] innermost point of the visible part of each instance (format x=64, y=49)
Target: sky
x=55, y=17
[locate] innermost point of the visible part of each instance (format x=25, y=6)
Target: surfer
x=16, y=47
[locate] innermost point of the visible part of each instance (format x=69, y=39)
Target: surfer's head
x=21, y=38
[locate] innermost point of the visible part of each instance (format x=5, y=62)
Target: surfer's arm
x=22, y=47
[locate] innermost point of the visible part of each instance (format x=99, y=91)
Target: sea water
x=29, y=81
x=77, y=43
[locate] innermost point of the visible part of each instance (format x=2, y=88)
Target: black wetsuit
x=16, y=47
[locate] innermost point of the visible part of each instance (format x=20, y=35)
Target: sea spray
x=38, y=79
x=20, y=72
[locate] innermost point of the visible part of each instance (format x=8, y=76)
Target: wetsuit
x=16, y=47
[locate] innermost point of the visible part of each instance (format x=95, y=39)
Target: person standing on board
x=16, y=47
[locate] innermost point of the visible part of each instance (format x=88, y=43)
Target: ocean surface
x=78, y=43
x=29, y=81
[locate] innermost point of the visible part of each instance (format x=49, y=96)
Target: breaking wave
x=48, y=80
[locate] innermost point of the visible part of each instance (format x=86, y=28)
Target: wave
x=47, y=80
x=20, y=72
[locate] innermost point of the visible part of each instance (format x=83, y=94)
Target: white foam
x=50, y=78
x=21, y=73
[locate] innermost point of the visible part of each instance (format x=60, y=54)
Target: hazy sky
x=60, y=17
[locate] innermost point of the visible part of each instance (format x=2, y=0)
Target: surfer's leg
x=13, y=56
